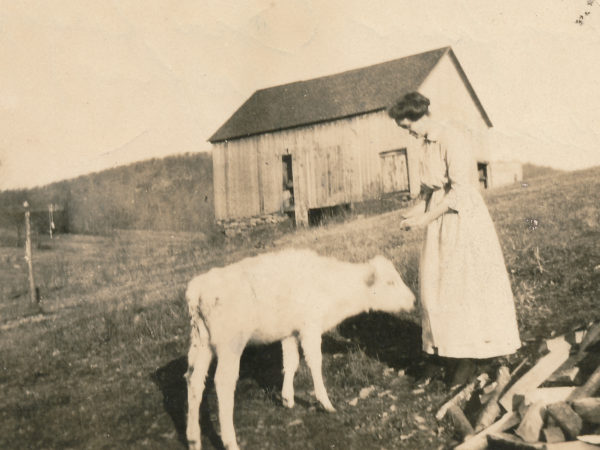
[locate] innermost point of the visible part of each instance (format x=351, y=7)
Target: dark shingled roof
x=332, y=97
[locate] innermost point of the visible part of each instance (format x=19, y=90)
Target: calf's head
x=386, y=287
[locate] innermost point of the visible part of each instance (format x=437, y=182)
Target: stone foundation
x=233, y=227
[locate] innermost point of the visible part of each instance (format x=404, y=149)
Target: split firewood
x=590, y=438
x=491, y=410
x=575, y=337
x=567, y=374
x=567, y=419
x=589, y=388
x=549, y=395
x=553, y=434
x=591, y=336
x=479, y=441
x=588, y=409
x=532, y=423
x=559, y=352
x=518, y=369
x=568, y=371
x=463, y=396
x=460, y=421
x=504, y=441
x=571, y=445
x=520, y=404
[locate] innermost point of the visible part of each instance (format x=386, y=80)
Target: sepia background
x=112, y=102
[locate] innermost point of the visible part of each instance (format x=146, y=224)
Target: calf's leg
x=291, y=360
x=311, y=344
x=199, y=358
x=228, y=368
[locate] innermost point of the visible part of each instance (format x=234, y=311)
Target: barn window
x=483, y=174
x=394, y=173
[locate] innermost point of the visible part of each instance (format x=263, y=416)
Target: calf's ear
x=371, y=277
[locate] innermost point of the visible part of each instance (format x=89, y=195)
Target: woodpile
x=551, y=403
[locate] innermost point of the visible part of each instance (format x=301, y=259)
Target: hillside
x=534, y=171
x=172, y=193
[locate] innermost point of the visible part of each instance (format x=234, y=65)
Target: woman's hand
x=417, y=209
x=416, y=221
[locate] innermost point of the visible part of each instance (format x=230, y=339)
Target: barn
x=308, y=145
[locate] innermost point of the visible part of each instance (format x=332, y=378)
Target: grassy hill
x=534, y=171
x=172, y=193
x=103, y=366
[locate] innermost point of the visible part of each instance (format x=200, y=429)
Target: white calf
x=292, y=295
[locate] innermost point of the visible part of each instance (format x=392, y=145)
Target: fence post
x=28, y=254
x=50, y=219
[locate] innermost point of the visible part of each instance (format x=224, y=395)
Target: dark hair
x=412, y=106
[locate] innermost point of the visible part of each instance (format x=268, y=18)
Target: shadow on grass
x=262, y=363
x=171, y=382
x=393, y=341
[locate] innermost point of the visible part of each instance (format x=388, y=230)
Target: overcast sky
x=86, y=85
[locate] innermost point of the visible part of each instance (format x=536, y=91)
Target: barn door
x=328, y=181
x=482, y=170
x=394, y=172
x=287, y=183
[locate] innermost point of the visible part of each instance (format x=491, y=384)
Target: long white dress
x=467, y=303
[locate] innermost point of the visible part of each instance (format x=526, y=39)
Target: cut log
x=517, y=369
x=572, y=445
x=590, y=438
x=463, y=396
x=575, y=337
x=553, y=434
x=588, y=409
x=460, y=421
x=504, y=441
x=565, y=375
x=549, y=395
x=567, y=371
x=479, y=441
x=591, y=336
x=559, y=352
x=567, y=419
x=589, y=388
x=520, y=405
x=491, y=410
x=532, y=423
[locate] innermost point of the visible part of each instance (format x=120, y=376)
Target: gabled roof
x=333, y=97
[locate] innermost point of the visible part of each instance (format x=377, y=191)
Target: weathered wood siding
x=334, y=162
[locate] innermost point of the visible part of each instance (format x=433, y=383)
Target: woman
x=467, y=304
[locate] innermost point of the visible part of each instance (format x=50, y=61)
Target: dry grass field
x=103, y=365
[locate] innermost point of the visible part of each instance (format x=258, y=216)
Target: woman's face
x=417, y=128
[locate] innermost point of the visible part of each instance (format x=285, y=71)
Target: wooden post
x=28, y=254
x=50, y=219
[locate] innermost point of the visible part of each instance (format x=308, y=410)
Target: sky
x=90, y=85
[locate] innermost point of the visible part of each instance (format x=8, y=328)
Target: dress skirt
x=467, y=303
